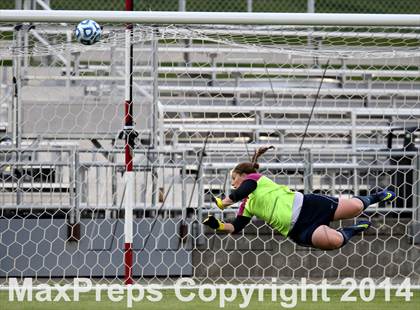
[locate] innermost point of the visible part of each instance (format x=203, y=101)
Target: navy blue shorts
x=316, y=210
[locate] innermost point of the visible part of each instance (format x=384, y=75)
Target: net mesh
x=337, y=41
x=205, y=97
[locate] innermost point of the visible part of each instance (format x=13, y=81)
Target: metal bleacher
x=266, y=95
x=357, y=108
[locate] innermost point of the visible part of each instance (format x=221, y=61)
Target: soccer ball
x=88, y=32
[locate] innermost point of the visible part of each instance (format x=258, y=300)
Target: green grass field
x=170, y=301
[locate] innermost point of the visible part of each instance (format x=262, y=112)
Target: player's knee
x=327, y=239
x=336, y=241
x=357, y=206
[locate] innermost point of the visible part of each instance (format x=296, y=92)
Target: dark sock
x=350, y=231
x=347, y=233
x=368, y=200
x=365, y=200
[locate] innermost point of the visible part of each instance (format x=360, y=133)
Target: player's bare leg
x=353, y=207
x=326, y=238
x=348, y=208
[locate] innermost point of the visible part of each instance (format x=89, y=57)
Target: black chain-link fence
x=320, y=6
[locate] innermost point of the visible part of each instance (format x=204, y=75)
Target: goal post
x=156, y=17
x=129, y=136
x=133, y=135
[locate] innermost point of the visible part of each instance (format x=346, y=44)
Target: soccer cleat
x=382, y=196
x=360, y=226
x=349, y=232
x=386, y=196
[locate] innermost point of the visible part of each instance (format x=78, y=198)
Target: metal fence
x=69, y=178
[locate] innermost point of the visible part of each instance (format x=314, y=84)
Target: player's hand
x=214, y=223
x=219, y=202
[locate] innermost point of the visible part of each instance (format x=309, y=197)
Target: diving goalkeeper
x=303, y=218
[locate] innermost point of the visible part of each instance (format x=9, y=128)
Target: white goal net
x=204, y=98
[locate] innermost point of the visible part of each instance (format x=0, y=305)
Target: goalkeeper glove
x=219, y=202
x=214, y=223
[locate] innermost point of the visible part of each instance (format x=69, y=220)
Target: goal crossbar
x=157, y=17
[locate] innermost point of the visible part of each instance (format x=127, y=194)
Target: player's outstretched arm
x=236, y=226
x=217, y=224
x=246, y=188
